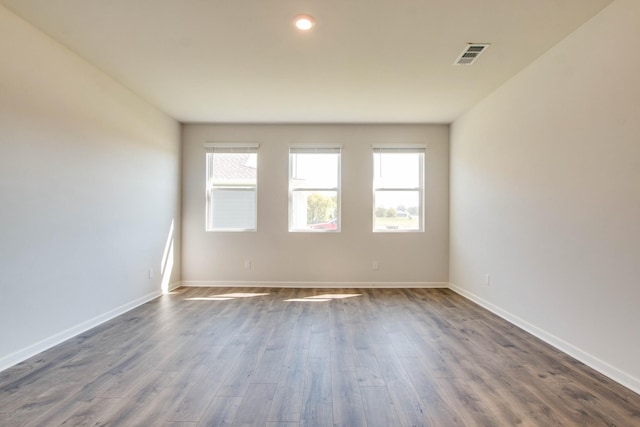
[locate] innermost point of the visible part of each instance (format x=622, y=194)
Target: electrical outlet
x=487, y=280
x=247, y=264
x=150, y=273
x=374, y=265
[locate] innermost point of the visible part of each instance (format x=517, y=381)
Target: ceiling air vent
x=470, y=53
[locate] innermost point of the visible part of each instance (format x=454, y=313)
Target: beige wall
x=280, y=257
x=545, y=195
x=89, y=186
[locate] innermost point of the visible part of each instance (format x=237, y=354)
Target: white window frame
x=315, y=149
x=228, y=148
x=408, y=148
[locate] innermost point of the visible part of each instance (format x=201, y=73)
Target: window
x=398, y=189
x=231, y=187
x=314, y=189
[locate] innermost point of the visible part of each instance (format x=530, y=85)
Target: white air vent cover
x=470, y=53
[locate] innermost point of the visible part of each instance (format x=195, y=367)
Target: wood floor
x=348, y=357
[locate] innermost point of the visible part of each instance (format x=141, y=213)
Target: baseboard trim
x=330, y=285
x=604, y=368
x=47, y=343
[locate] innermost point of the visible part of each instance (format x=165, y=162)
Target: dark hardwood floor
x=381, y=357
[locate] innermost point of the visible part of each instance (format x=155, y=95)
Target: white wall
x=545, y=195
x=280, y=257
x=89, y=186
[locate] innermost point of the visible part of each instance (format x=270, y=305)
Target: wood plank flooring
x=347, y=357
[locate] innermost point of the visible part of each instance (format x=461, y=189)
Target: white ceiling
x=365, y=61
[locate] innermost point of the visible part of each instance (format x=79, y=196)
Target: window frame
x=228, y=148
x=407, y=149
x=315, y=149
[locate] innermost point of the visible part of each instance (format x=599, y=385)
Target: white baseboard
x=45, y=344
x=604, y=368
x=331, y=285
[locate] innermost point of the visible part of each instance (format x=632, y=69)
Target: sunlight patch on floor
x=323, y=298
x=227, y=297
x=335, y=296
x=240, y=295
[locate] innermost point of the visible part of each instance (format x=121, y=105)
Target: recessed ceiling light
x=304, y=22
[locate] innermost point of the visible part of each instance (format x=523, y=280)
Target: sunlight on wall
x=166, y=266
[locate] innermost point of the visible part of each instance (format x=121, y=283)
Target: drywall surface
x=545, y=195
x=279, y=257
x=89, y=190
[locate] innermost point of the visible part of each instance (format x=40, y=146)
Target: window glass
x=398, y=189
x=314, y=189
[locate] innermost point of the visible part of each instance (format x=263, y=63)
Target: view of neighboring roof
x=234, y=167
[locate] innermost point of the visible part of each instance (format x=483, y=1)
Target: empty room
x=319, y=213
